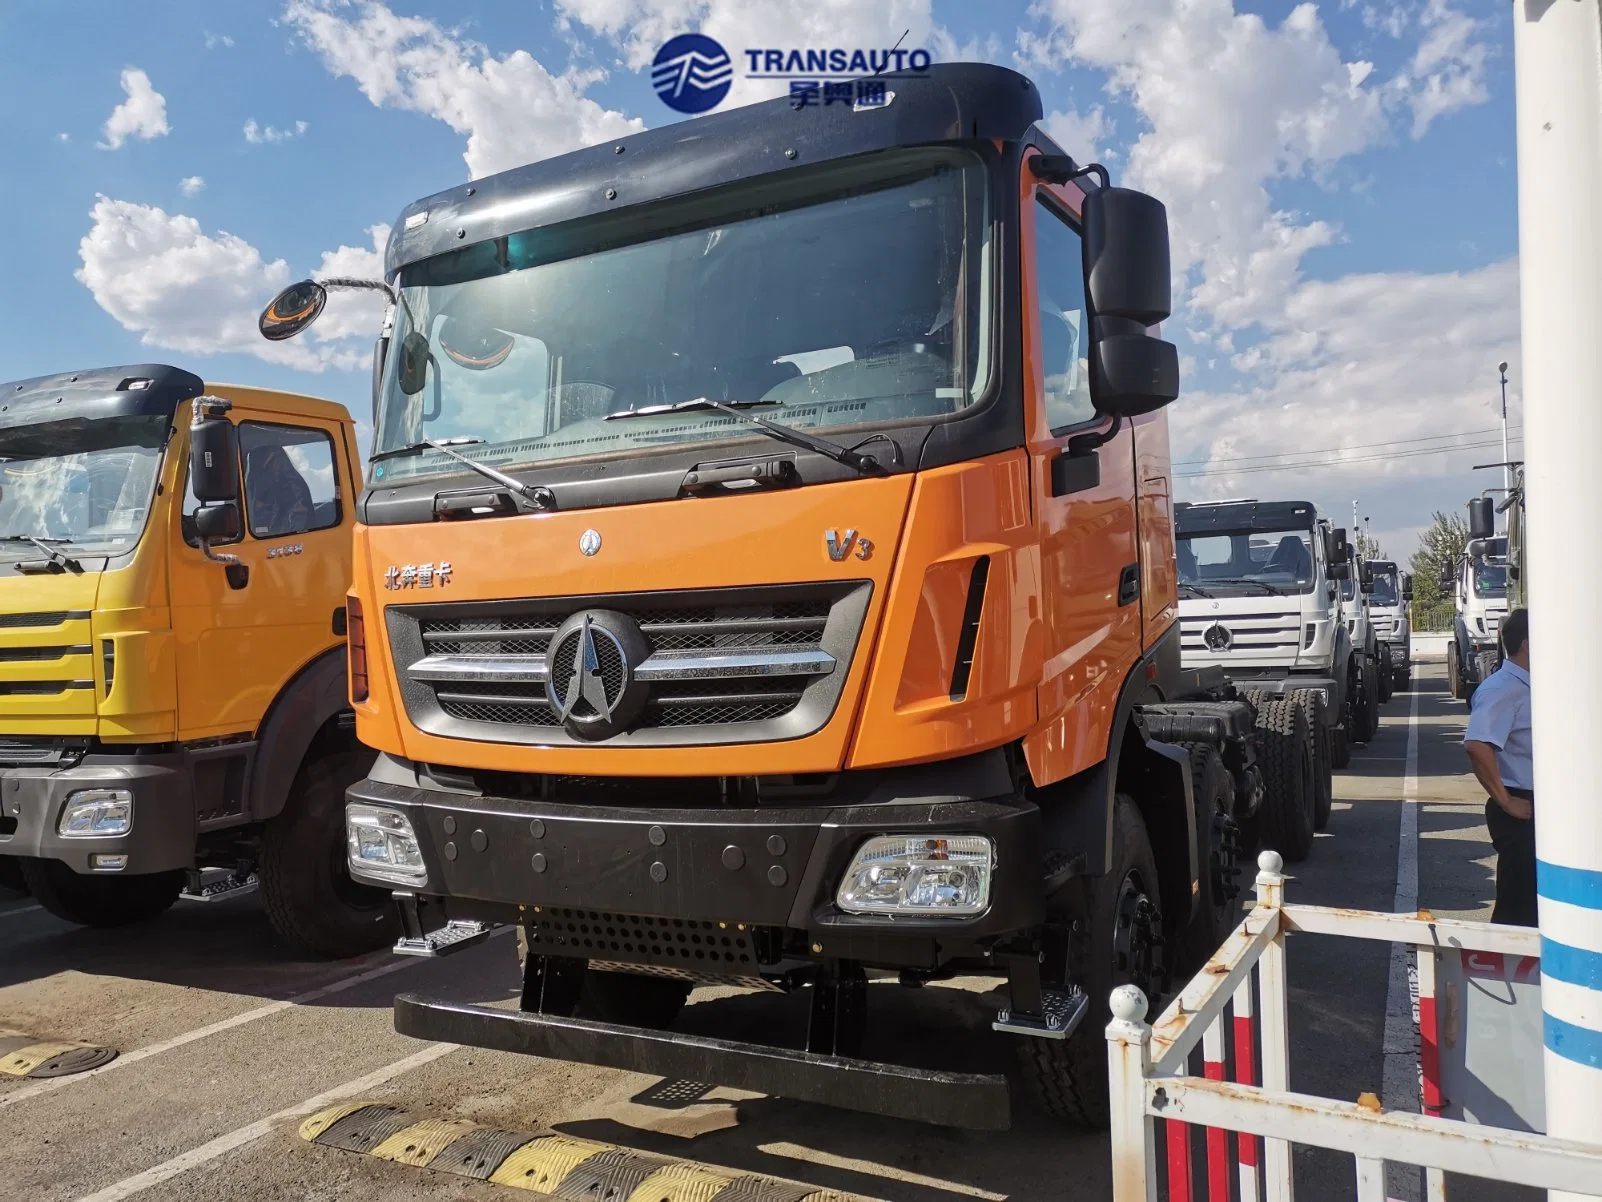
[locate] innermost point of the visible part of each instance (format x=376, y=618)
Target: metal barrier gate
x=1252, y=1108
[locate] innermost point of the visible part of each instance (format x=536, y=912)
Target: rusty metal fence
x=1236, y=1012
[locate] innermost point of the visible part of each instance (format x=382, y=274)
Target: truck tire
x=626, y=998
x=1371, y=677
x=1214, y=791
x=1340, y=748
x=1455, y=683
x=1323, y=765
x=1123, y=945
x=311, y=900
x=1385, y=677
x=99, y=901
x=1401, y=679
x=1287, y=754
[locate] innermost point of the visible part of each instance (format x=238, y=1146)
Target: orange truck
x=766, y=575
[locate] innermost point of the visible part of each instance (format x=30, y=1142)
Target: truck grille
x=726, y=665
x=1259, y=634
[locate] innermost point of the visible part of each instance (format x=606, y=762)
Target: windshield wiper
x=736, y=409
x=45, y=544
x=1194, y=588
x=1272, y=590
x=536, y=495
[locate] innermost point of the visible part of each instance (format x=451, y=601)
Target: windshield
x=1385, y=591
x=85, y=481
x=865, y=308
x=1490, y=579
x=1276, y=560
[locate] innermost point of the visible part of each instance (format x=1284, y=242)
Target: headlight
x=382, y=845
x=946, y=876
x=96, y=814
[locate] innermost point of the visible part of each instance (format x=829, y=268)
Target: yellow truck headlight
x=382, y=845
x=96, y=814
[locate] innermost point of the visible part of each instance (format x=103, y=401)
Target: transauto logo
x=692, y=73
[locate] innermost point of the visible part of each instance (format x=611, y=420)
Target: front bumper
x=162, y=836
x=773, y=869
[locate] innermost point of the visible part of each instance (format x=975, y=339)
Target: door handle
x=1129, y=585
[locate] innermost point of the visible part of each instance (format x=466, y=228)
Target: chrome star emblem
x=590, y=542
x=586, y=684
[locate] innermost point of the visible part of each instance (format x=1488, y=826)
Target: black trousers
x=1514, y=840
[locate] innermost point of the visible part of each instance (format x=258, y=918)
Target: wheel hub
x=1137, y=938
x=1226, y=858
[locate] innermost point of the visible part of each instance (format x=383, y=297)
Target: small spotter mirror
x=292, y=310
x=473, y=346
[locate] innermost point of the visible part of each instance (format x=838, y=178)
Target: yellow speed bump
x=28, y=1056
x=542, y=1163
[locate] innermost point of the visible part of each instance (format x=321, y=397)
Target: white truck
x=1260, y=597
x=1388, y=597
x=1355, y=593
x=1478, y=579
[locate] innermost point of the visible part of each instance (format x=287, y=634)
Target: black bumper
x=923, y=1095
x=771, y=867
x=163, y=833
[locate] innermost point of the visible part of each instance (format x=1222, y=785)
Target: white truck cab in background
x=1260, y=597
x=1357, y=591
x=1480, y=590
x=1389, y=593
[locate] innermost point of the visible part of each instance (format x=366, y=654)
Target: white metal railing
x=1151, y=1079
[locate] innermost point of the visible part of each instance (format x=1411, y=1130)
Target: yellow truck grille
x=47, y=667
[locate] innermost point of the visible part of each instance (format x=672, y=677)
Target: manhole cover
x=674, y=1095
x=78, y=1060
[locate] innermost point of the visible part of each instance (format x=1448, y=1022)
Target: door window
x=290, y=483
x=1064, y=340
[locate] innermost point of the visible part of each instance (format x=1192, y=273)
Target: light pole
x=1507, y=471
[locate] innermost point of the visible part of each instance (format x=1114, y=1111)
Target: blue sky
x=1340, y=180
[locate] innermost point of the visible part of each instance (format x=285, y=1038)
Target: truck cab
x=173, y=717
x=1261, y=596
x=1356, y=608
x=1388, y=599
x=765, y=576
x=1479, y=580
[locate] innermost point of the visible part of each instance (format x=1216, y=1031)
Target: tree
x=1368, y=547
x=1440, y=546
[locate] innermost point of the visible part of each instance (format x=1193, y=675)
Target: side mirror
x=1341, y=569
x=1482, y=518
x=213, y=452
x=1127, y=290
x=1407, y=588
x=219, y=523
x=292, y=310
x=413, y=363
x=1340, y=549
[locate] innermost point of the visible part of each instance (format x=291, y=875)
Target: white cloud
x=1232, y=104
x=353, y=314
x=142, y=115
x=63, y=137
x=639, y=27
x=161, y=276
x=512, y=109
x=213, y=40
x=1447, y=72
x=190, y=184
x=259, y=134
x=1082, y=135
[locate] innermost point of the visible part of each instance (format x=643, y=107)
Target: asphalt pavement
x=226, y=1046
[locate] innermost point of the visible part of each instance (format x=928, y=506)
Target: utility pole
x=1507, y=467
x=1558, y=81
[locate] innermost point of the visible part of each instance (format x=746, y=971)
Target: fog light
x=382, y=845
x=104, y=863
x=946, y=876
x=96, y=814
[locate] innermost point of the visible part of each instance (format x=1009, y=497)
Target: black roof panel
x=138, y=388
x=949, y=102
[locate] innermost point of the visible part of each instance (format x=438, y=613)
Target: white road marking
x=20, y=910
x=224, y=1144
x=1400, y=1083
x=227, y=1024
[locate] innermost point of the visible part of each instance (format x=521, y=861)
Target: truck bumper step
x=969, y=1100
x=455, y=936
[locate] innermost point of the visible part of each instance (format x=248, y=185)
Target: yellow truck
x=173, y=704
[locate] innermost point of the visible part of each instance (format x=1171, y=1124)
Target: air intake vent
x=969, y=638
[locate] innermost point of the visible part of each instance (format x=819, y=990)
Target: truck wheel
x=1401, y=679
x=1340, y=748
x=311, y=901
x=1214, y=791
x=1387, y=682
x=1454, y=673
x=1123, y=945
x=99, y=901
x=1372, y=676
x=626, y=998
x=1287, y=815
x=1323, y=766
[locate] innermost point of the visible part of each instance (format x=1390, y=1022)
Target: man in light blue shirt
x=1498, y=745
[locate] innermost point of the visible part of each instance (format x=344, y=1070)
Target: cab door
x=243, y=635
x=1085, y=505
